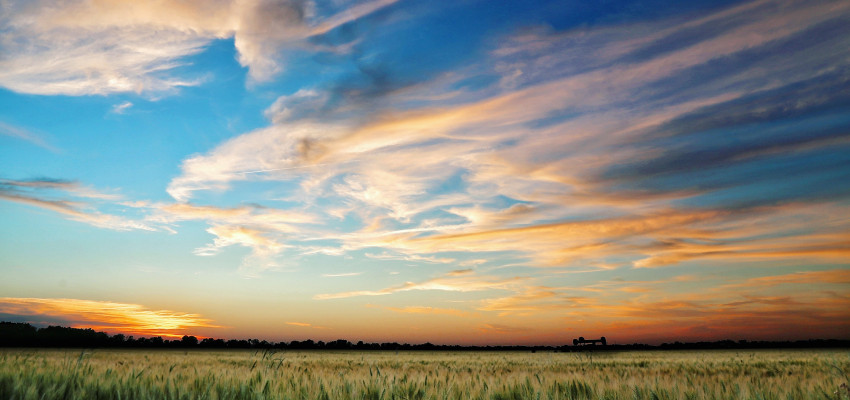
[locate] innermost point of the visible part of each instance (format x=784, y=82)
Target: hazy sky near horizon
x=472, y=172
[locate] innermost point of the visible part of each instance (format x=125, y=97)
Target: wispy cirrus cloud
x=534, y=300
x=262, y=229
x=253, y=226
x=108, y=47
x=263, y=248
x=25, y=134
x=341, y=275
x=73, y=187
x=264, y=218
x=306, y=325
x=412, y=257
x=53, y=195
x=132, y=319
x=122, y=108
x=501, y=171
x=350, y=14
x=451, y=283
x=580, y=155
x=833, y=276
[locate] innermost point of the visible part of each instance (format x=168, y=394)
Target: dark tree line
x=13, y=334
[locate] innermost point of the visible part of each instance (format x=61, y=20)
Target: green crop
x=176, y=374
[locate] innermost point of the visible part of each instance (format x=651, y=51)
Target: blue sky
x=466, y=172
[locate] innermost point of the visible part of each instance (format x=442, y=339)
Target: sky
x=463, y=172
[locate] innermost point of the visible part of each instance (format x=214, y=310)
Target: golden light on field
x=251, y=374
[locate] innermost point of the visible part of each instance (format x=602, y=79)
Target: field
x=175, y=374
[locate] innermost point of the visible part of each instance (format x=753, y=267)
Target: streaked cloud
x=702, y=308
x=724, y=316
x=571, y=201
x=43, y=193
x=340, y=275
x=533, y=300
x=24, y=134
x=252, y=216
x=129, y=319
x=306, y=325
x=451, y=283
x=349, y=15
x=411, y=257
x=833, y=276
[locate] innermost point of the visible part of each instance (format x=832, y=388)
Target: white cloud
x=263, y=247
x=276, y=148
x=111, y=61
x=340, y=275
x=122, y=107
x=102, y=47
x=301, y=103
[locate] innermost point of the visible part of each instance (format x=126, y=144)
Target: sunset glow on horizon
x=128, y=319
x=470, y=172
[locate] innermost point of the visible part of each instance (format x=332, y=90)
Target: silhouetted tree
x=187, y=341
x=22, y=334
x=213, y=343
x=17, y=334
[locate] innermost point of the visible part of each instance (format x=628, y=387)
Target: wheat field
x=196, y=374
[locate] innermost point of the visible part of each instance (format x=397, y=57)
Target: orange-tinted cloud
x=834, y=276
x=500, y=328
x=131, y=319
x=714, y=315
x=822, y=246
x=554, y=244
x=243, y=214
x=306, y=325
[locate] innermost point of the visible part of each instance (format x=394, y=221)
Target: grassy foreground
x=174, y=374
